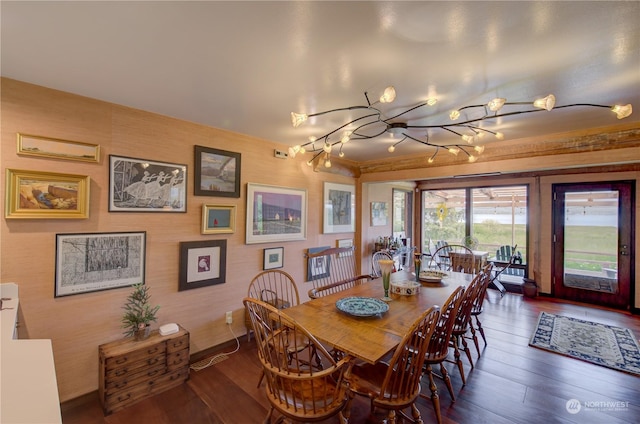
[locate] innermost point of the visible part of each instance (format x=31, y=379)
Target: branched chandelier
x=468, y=131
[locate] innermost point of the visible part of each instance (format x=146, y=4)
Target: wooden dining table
x=372, y=338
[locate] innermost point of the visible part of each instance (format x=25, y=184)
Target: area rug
x=601, y=344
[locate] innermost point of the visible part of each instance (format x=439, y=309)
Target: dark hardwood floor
x=511, y=382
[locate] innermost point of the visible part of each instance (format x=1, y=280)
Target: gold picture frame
x=46, y=195
x=35, y=145
x=218, y=219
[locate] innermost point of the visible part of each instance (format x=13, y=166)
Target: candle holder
x=386, y=266
x=417, y=265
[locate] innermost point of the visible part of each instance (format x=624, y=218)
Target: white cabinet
x=28, y=385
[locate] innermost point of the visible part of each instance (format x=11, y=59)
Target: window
x=402, y=206
x=484, y=218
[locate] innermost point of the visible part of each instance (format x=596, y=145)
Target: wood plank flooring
x=511, y=382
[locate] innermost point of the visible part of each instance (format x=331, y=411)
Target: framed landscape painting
x=98, y=261
x=46, y=195
x=275, y=214
x=141, y=185
x=55, y=148
x=217, y=172
x=273, y=258
x=339, y=208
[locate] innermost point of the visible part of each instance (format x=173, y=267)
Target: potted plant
x=138, y=314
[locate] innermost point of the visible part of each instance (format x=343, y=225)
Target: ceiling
x=245, y=66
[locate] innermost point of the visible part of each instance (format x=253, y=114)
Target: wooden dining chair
x=375, y=266
x=395, y=385
x=297, y=391
x=464, y=260
x=438, y=349
x=477, y=308
x=340, y=271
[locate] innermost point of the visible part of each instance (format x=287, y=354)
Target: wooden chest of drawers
x=133, y=370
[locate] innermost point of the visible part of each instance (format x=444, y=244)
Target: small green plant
x=138, y=314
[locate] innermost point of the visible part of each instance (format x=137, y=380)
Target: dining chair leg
x=456, y=355
x=481, y=330
x=474, y=336
x=447, y=381
x=435, y=398
x=466, y=350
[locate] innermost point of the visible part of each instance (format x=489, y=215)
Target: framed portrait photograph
x=318, y=266
x=273, y=258
x=202, y=264
x=218, y=219
x=379, y=214
x=275, y=214
x=55, y=148
x=141, y=185
x=46, y=195
x=98, y=261
x=339, y=208
x=217, y=172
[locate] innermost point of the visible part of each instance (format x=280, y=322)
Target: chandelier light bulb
x=327, y=147
x=496, y=104
x=472, y=158
x=389, y=95
x=467, y=138
x=430, y=160
x=391, y=149
x=298, y=118
x=499, y=136
x=346, y=137
x=432, y=101
x=341, y=154
x=454, y=114
x=622, y=111
x=453, y=150
x=302, y=150
x=546, y=103
x=309, y=162
x=479, y=149
x=327, y=163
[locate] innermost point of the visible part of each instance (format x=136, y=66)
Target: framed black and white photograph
x=217, y=172
x=202, y=264
x=98, y=261
x=141, y=185
x=318, y=266
x=339, y=208
x=273, y=258
x=218, y=219
x=275, y=214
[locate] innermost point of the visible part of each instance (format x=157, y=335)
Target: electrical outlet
x=229, y=317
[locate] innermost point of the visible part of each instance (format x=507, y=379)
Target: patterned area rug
x=601, y=344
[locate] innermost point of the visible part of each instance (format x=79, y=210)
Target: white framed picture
x=339, y=208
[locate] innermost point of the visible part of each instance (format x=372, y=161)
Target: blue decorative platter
x=362, y=306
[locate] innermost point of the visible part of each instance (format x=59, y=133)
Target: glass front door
x=592, y=243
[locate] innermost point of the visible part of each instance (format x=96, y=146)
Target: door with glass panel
x=592, y=244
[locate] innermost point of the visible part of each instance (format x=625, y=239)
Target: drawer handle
x=152, y=361
x=178, y=361
x=175, y=377
x=178, y=344
x=123, y=398
x=121, y=360
x=152, y=373
x=121, y=372
x=122, y=384
x=154, y=350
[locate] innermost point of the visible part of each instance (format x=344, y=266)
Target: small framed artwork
x=140, y=185
x=345, y=243
x=98, y=261
x=318, y=266
x=379, y=214
x=46, y=195
x=273, y=258
x=339, y=208
x=217, y=172
x=218, y=219
x=275, y=214
x=33, y=145
x=202, y=264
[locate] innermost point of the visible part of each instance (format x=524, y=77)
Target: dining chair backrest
x=484, y=284
x=463, y=314
x=285, y=348
x=401, y=383
x=438, y=348
x=275, y=287
x=375, y=266
x=333, y=270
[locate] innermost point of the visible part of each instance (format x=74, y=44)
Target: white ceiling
x=244, y=66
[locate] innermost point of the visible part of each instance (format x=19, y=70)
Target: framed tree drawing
x=98, y=261
x=217, y=172
x=339, y=208
x=141, y=185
